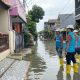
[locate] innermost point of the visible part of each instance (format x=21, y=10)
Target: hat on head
x=70, y=26
x=75, y=31
x=58, y=29
x=62, y=29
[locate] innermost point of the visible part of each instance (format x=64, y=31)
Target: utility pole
x=24, y=3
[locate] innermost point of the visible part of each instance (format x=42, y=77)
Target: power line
x=73, y=11
x=24, y=3
x=68, y=9
x=64, y=6
x=42, y=0
x=29, y=3
x=27, y=7
x=70, y=15
x=67, y=6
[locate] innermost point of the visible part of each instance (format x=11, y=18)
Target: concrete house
x=4, y=29
x=50, y=25
x=17, y=21
x=66, y=19
x=77, y=12
x=12, y=23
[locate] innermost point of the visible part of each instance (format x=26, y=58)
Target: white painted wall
x=4, y=21
x=4, y=28
x=12, y=40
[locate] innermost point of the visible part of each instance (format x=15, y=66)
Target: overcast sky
x=52, y=9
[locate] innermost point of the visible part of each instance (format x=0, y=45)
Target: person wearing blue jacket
x=58, y=40
x=70, y=56
x=77, y=45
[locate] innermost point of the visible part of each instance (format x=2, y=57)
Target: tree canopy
x=34, y=16
x=37, y=13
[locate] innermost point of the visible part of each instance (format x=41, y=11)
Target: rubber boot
x=75, y=68
x=61, y=62
x=68, y=68
x=79, y=57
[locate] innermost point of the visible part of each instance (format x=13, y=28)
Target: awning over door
x=17, y=19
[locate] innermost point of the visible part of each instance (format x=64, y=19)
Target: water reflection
x=60, y=74
x=45, y=64
x=76, y=76
x=37, y=67
x=37, y=64
x=49, y=46
x=68, y=77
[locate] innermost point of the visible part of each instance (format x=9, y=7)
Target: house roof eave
x=4, y=5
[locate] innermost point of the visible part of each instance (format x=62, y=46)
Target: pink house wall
x=17, y=9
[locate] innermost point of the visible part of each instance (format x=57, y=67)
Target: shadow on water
x=60, y=74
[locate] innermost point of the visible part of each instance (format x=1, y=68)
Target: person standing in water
x=77, y=45
x=59, y=41
x=63, y=31
x=70, y=55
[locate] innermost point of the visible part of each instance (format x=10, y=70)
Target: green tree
x=37, y=13
x=34, y=16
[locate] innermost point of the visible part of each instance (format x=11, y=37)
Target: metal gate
x=18, y=42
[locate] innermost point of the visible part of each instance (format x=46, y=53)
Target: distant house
x=77, y=11
x=46, y=25
x=51, y=24
x=66, y=19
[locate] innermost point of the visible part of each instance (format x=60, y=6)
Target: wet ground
x=45, y=64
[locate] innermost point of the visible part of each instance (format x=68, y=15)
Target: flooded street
x=45, y=63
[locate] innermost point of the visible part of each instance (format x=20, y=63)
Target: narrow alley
x=39, y=39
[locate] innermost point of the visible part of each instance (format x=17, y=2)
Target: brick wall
x=4, y=42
